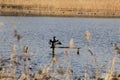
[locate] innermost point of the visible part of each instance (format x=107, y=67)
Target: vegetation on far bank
x=83, y=8
x=76, y=4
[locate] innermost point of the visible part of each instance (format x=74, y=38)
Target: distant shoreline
x=12, y=10
x=93, y=8
x=50, y=14
x=73, y=16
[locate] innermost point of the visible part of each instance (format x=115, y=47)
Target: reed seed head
x=87, y=35
x=71, y=43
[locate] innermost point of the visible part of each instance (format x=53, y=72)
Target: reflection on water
x=36, y=32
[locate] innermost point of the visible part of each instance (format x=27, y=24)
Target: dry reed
x=8, y=71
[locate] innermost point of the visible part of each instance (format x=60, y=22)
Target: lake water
x=36, y=32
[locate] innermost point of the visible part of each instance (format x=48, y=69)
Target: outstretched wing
x=50, y=41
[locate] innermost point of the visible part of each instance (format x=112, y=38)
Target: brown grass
x=77, y=4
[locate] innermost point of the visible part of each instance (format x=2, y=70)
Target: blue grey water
x=36, y=32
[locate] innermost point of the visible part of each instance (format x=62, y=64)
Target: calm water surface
x=36, y=32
